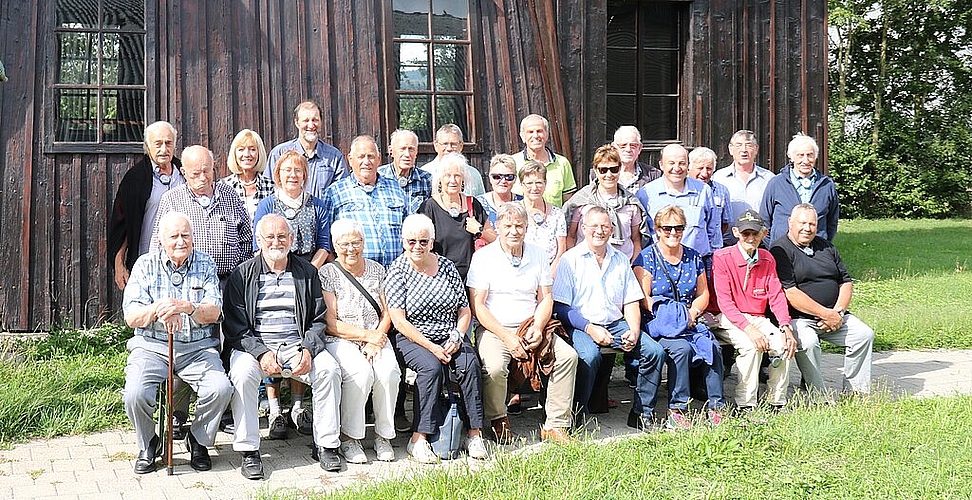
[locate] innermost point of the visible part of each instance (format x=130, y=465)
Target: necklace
x=248, y=183
x=538, y=217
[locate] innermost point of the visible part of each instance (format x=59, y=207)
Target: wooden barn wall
x=214, y=68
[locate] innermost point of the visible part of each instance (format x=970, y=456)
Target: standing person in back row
x=417, y=183
x=744, y=179
x=448, y=139
x=800, y=182
x=325, y=163
x=535, y=132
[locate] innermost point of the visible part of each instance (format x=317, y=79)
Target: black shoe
x=278, y=427
x=644, y=423
x=401, y=423
x=198, y=454
x=252, y=466
x=226, y=423
x=145, y=462
x=328, y=457
x=179, y=427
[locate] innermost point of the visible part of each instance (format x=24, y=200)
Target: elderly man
x=702, y=163
x=702, y=224
x=634, y=173
x=274, y=324
x=800, y=182
x=325, y=163
x=416, y=183
x=137, y=199
x=448, y=139
x=509, y=282
x=819, y=290
x=744, y=179
x=746, y=284
x=174, y=292
x=223, y=227
x=372, y=198
x=597, y=295
x=535, y=132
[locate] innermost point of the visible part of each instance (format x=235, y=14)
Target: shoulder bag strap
x=663, y=264
x=354, y=281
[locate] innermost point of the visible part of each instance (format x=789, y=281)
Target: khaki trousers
x=748, y=360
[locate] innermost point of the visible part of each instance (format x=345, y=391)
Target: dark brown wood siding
x=213, y=68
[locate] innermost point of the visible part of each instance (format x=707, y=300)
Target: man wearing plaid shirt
x=416, y=183
x=374, y=199
x=222, y=226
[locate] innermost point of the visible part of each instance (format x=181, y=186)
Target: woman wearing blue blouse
x=672, y=276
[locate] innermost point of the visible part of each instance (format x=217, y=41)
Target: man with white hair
x=744, y=179
x=274, y=325
x=634, y=173
x=535, y=132
x=702, y=161
x=417, y=183
x=448, y=139
x=800, y=182
x=174, y=291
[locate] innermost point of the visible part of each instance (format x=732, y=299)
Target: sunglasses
x=604, y=170
x=424, y=242
x=672, y=229
x=505, y=177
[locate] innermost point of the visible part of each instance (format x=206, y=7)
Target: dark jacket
x=240, y=299
x=780, y=197
x=125, y=223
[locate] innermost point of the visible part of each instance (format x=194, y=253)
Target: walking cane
x=168, y=414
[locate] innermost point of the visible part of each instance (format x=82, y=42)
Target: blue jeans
x=679, y=361
x=651, y=356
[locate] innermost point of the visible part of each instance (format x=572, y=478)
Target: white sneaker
x=422, y=452
x=476, y=448
x=384, y=450
x=352, y=451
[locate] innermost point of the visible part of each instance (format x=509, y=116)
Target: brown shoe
x=555, y=435
x=502, y=431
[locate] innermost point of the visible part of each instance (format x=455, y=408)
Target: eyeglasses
x=424, y=242
x=350, y=244
x=602, y=227
x=672, y=229
x=272, y=237
x=453, y=145
x=628, y=145
x=604, y=170
x=505, y=177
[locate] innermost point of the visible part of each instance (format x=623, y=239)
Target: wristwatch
x=454, y=336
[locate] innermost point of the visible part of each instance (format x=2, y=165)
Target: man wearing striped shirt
x=274, y=324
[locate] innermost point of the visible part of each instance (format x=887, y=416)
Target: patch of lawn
x=909, y=448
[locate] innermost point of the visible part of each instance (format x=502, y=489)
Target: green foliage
x=873, y=448
x=901, y=107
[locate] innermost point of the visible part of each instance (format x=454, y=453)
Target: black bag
x=448, y=440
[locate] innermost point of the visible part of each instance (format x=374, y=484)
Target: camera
x=288, y=356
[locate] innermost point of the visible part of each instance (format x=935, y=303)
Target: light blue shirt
x=703, y=229
x=323, y=168
x=599, y=293
x=743, y=195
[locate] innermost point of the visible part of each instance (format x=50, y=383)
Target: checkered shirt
x=380, y=212
x=417, y=190
x=264, y=186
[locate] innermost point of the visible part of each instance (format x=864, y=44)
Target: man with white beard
x=325, y=163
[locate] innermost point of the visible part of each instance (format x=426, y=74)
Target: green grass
x=876, y=449
x=913, y=280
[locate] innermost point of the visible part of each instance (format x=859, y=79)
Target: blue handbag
x=447, y=442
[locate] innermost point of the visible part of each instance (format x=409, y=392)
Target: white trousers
x=324, y=378
x=359, y=378
x=748, y=360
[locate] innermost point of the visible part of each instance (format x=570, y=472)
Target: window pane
x=659, y=118
x=413, y=65
x=122, y=59
x=622, y=26
x=661, y=26
x=450, y=66
x=415, y=114
x=124, y=14
x=76, y=113
x=622, y=71
x=452, y=109
x=123, y=115
x=450, y=19
x=411, y=18
x=660, y=71
x=621, y=110
x=76, y=14
x=78, y=58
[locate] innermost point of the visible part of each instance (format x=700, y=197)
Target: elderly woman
x=672, y=277
x=626, y=213
x=357, y=337
x=547, y=227
x=429, y=308
x=502, y=174
x=247, y=159
x=304, y=212
x=458, y=219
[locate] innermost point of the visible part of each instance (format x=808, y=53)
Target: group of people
x=337, y=273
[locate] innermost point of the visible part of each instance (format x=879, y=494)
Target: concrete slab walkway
x=99, y=466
